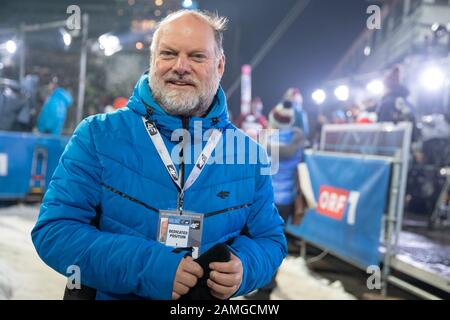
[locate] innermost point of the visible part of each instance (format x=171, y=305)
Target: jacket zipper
x=206, y=215
x=126, y=196
x=185, y=123
x=213, y=213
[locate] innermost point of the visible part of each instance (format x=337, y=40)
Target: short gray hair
x=216, y=22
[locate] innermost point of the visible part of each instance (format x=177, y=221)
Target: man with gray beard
x=179, y=86
x=156, y=210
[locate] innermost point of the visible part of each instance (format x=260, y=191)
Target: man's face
x=185, y=69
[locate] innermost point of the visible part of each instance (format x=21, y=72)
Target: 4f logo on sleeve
x=333, y=203
x=172, y=172
x=151, y=128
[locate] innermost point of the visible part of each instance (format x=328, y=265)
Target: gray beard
x=177, y=103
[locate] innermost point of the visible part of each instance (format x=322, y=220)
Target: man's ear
x=221, y=65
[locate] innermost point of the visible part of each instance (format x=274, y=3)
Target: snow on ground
x=24, y=276
x=296, y=282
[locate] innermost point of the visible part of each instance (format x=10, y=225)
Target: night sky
x=303, y=57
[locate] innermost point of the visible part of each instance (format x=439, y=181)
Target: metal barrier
x=392, y=142
x=27, y=163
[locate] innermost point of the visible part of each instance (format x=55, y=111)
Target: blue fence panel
x=16, y=158
x=351, y=196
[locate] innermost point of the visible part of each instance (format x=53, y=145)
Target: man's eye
x=167, y=53
x=199, y=57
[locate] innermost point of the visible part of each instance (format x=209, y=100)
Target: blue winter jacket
x=301, y=119
x=54, y=112
x=283, y=181
x=111, y=170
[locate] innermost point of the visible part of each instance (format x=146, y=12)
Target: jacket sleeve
x=263, y=247
x=63, y=236
x=59, y=117
x=288, y=150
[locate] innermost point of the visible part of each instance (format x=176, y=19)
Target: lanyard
x=157, y=140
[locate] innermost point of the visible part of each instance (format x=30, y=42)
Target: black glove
x=201, y=291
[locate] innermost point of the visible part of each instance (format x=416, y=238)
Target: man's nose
x=182, y=65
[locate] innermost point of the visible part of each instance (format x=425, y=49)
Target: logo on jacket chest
x=223, y=194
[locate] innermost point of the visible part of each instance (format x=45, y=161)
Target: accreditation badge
x=181, y=231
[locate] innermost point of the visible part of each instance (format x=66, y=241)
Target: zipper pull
x=180, y=202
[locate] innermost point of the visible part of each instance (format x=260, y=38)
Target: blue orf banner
x=351, y=195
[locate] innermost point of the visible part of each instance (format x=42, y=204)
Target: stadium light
x=375, y=87
x=432, y=78
x=187, y=3
x=67, y=38
x=319, y=96
x=342, y=93
x=11, y=46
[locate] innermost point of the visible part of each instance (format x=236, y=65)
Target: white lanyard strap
x=203, y=158
x=157, y=140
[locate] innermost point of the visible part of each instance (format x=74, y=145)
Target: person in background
x=53, y=114
x=10, y=106
x=301, y=117
x=394, y=105
x=338, y=116
x=255, y=115
x=251, y=126
x=119, y=103
x=27, y=116
x=290, y=146
x=367, y=117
